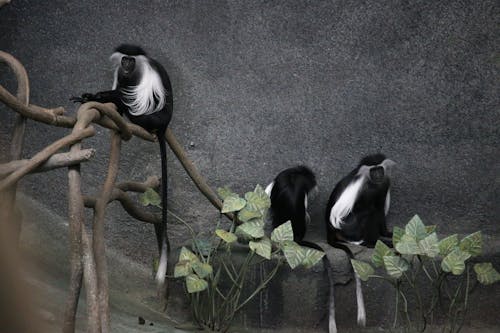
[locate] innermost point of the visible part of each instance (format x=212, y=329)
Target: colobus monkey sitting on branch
x=142, y=91
x=290, y=192
x=356, y=211
x=359, y=203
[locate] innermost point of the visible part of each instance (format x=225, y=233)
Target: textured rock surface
x=260, y=86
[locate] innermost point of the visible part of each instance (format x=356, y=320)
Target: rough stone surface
x=261, y=86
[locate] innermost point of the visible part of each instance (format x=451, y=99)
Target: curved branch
x=193, y=173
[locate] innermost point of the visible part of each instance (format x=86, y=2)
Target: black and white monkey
x=356, y=211
x=357, y=208
x=142, y=91
x=290, y=193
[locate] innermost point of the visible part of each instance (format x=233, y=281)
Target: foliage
x=215, y=282
x=417, y=250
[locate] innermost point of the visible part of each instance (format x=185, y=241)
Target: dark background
x=264, y=85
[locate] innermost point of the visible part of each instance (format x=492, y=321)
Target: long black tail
x=359, y=289
x=161, y=230
x=332, y=323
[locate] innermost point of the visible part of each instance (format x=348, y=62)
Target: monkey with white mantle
x=143, y=93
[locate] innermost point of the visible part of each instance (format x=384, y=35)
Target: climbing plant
x=215, y=276
x=444, y=265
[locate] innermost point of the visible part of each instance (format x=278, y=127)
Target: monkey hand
x=83, y=99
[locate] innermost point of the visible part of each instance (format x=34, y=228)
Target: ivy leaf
x=258, y=199
x=225, y=192
x=202, y=245
x=251, y=229
x=407, y=245
x=472, y=244
x=486, y=274
x=448, y=244
x=262, y=247
x=226, y=236
x=182, y=268
x=232, y=204
x=429, y=245
x=454, y=262
x=293, y=253
x=194, y=284
x=416, y=228
x=363, y=269
x=150, y=197
x=187, y=255
x=429, y=229
x=381, y=250
x=283, y=233
x=397, y=233
x=395, y=266
x=247, y=214
x=311, y=257
x=202, y=269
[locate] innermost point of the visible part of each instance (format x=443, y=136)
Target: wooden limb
x=119, y=194
x=128, y=204
x=76, y=218
x=8, y=205
x=197, y=178
x=56, y=161
x=99, y=245
x=91, y=284
x=44, y=155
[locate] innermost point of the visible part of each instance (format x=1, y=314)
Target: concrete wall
x=264, y=85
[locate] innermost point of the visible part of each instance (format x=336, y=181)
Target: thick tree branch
x=56, y=161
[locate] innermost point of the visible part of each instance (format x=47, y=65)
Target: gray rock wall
x=261, y=86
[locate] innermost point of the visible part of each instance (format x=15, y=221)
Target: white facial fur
x=141, y=98
x=347, y=199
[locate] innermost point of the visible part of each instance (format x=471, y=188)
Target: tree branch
x=56, y=161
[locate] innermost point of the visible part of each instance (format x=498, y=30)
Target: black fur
x=367, y=221
x=287, y=198
x=156, y=122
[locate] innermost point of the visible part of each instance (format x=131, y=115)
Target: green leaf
x=473, y=244
x=381, y=250
x=486, y=274
x=261, y=247
x=429, y=245
x=182, y=268
x=247, y=214
x=258, y=199
x=429, y=229
x=194, y=284
x=187, y=255
x=293, y=253
x=202, y=269
x=407, y=245
x=397, y=233
x=226, y=236
x=454, y=262
x=251, y=229
x=448, y=244
x=283, y=233
x=363, y=269
x=311, y=257
x=233, y=204
x=416, y=228
x=150, y=197
x=395, y=266
x=202, y=245
x=225, y=192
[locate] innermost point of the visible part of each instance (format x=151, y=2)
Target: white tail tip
x=161, y=273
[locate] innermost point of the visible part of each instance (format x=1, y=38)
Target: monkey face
x=127, y=65
x=377, y=174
